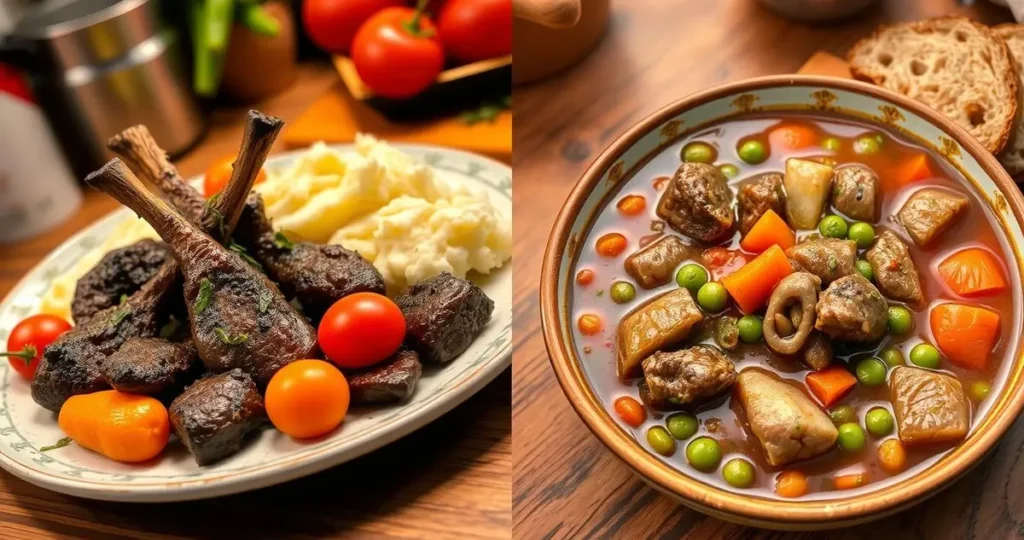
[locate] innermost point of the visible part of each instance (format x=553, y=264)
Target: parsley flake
x=229, y=339
x=205, y=295
x=59, y=444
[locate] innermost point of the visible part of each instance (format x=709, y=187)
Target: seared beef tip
x=687, y=376
x=393, y=380
x=929, y=212
x=827, y=258
x=852, y=309
x=854, y=192
x=153, y=367
x=789, y=426
x=214, y=414
x=817, y=352
x=122, y=271
x=443, y=315
x=930, y=406
x=757, y=196
x=698, y=202
x=666, y=319
x=894, y=270
x=655, y=265
x=789, y=319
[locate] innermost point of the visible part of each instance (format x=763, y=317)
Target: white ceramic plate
x=270, y=457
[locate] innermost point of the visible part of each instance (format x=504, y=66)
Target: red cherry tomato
x=473, y=30
x=361, y=329
x=331, y=24
x=396, y=52
x=28, y=339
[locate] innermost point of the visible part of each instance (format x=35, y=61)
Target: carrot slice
x=965, y=334
x=973, y=272
x=830, y=384
x=791, y=483
x=630, y=411
x=769, y=230
x=850, y=481
x=793, y=136
x=751, y=285
x=912, y=170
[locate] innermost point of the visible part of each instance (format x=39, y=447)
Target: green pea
x=692, y=276
x=851, y=437
x=862, y=233
x=622, y=292
x=750, y=328
x=831, y=143
x=925, y=355
x=980, y=390
x=871, y=372
x=868, y=144
x=892, y=356
x=841, y=414
x=712, y=296
x=753, y=152
x=739, y=473
x=901, y=320
x=729, y=170
x=703, y=454
x=833, y=227
x=682, y=425
x=699, y=152
x=865, y=270
x=879, y=422
x=661, y=441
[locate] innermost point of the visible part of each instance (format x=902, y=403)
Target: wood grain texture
x=565, y=483
x=448, y=480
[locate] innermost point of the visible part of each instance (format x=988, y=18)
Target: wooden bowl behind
x=541, y=52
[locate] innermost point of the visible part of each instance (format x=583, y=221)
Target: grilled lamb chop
x=153, y=367
x=393, y=380
x=213, y=415
x=121, y=272
x=443, y=315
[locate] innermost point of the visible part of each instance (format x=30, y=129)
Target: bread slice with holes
x=954, y=65
x=1012, y=156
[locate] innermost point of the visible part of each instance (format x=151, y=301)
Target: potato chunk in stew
x=827, y=258
x=687, y=376
x=930, y=406
x=759, y=195
x=808, y=184
x=852, y=309
x=786, y=422
x=662, y=321
x=855, y=192
x=654, y=265
x=698, y=202
x=894, y=270
x=929, y=212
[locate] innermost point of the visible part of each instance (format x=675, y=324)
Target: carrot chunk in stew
x=965, y=334
x=973, y=272
x=793, y=136
x=831, y=384
x=611, y=245
x=630, y=411
x=752, y=285
x=850, y=481
x=769, y=230
x=912, y=170
x=791, y=484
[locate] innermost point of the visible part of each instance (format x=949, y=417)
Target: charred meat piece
x=930, y=406
x=698, y=202
x=789, y=320
x=855, y=191
x=685, y=377
x=214, y=414
x=827, y=258
x=789, y=426
x=852, y=309
x=758, y=195
x=929, y=212
x=666, y=319
x=153, y=367
x=817, y=352
x=655, y=265
x=894, y=270
x=121, y=272
x=443, y=315
x=392, y=380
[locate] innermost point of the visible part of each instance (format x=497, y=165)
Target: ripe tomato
x=307, y=398
x=361, y=329
x=331, y=24
x=396, y=52
x=28, y=339
x=219, y=173
x=473, y=30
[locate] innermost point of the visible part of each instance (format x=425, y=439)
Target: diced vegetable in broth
x=808, y=186
x=665, y=320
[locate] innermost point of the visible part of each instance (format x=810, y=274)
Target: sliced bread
x=1012, y=156
x=954, y=65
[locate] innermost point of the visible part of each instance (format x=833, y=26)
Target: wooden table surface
x=565, y=483
x=448, y=480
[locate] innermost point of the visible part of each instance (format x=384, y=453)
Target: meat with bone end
x=214, y=414
x=443, y=315
x=153, y=367
x=121, y=272
x=392, y=380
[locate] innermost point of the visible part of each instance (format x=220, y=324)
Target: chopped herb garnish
x=487, y=112
x=210, y=207
x=170, y=328
x=119, y=316
x=205, y=295
x=832, y=263
x=265, y=298
x=600, y=292
x=124, y=297
x=282, y=241
x=59, y=444
x=230, y=340
x=244, y=254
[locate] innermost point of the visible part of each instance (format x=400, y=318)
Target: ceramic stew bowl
x=777, y=94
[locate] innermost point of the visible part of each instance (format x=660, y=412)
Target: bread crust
x=1012, y=156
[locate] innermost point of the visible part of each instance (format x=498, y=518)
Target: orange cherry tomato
x=791, y=484
x=590, y=324
x=219, y=173
x=585, y=277
x=630, y=411
x=307, y=398
x=124, y=427
x=632, y=205
x=611, y=245
x=28, y=339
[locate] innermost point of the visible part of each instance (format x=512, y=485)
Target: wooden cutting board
x=823, y=63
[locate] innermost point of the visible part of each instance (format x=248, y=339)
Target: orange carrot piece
x=892, y=457
x=768, y=231
x=611, y=245
x=751, y=285
x=590, y=324
x=830, y=384
x=630, y=411
x=912, y=170
x=791, y=484
x=973, y=272
x=793, y=136
x=850, y=481
x=965, y=334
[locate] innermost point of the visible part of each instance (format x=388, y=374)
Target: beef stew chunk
x=789, y=426
x=153, y=367
x=894, y=270
x=855, y=192
x=758, y=195
x=852, y=309
x=827, y=258
x=698, y=202
x=443, y=315
x=686, y=377
x=666, y=319
x=929, y=212
x=930, y=406
x=655, y=265
x=789, y=320
x=392, y=380
x=121, y=272
x=214, y=414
